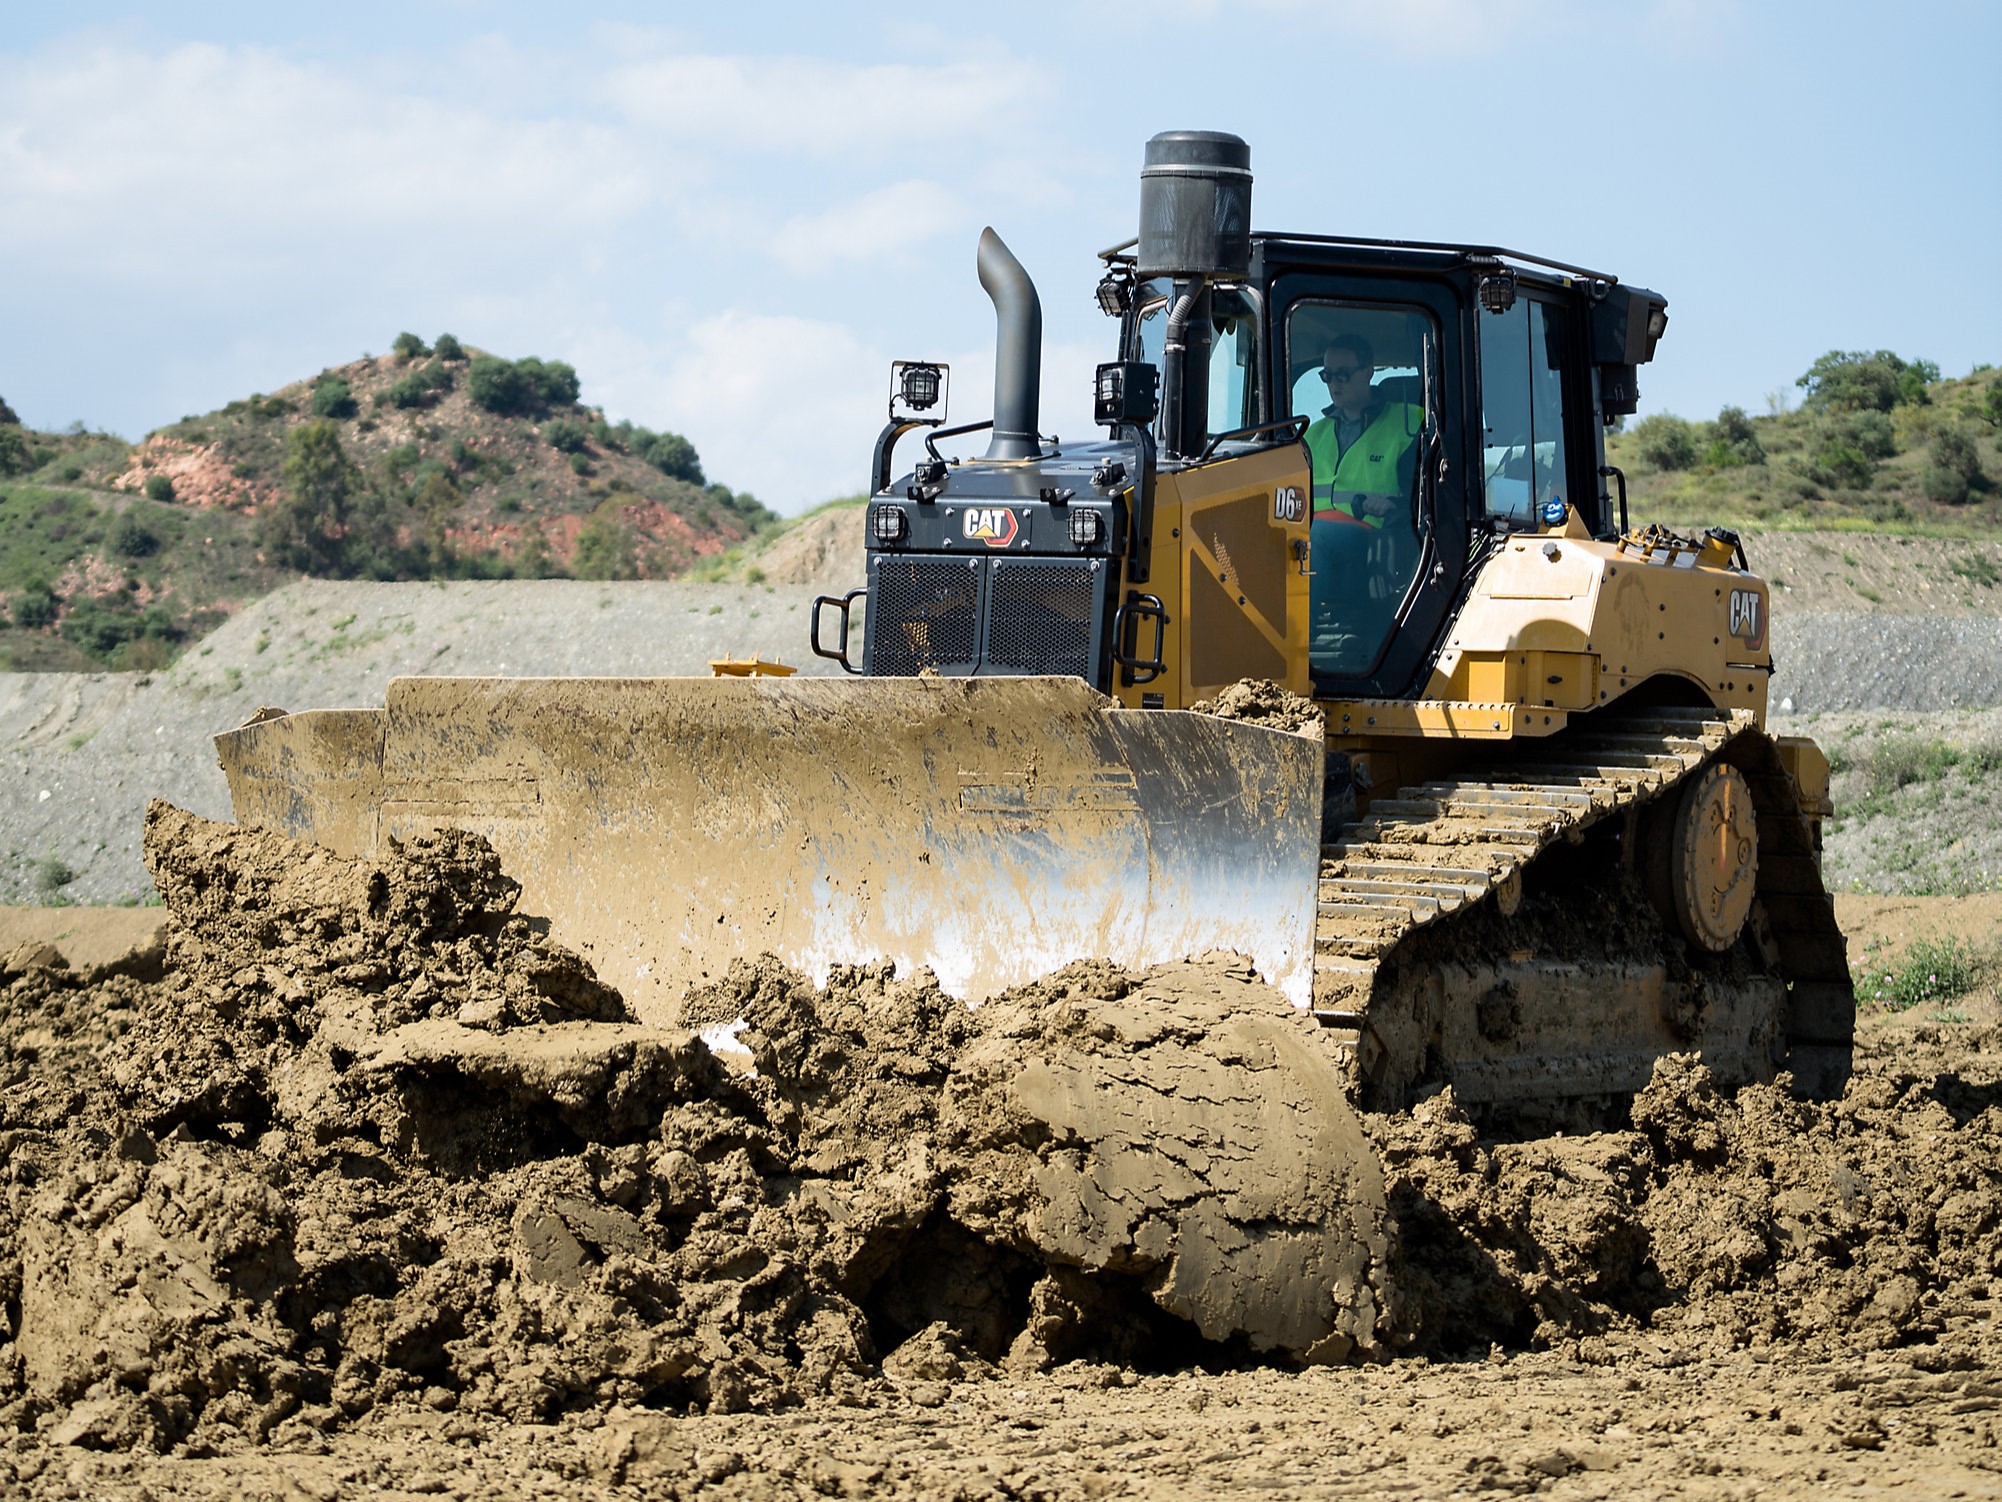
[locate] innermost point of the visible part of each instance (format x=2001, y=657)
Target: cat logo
x=1748, y=617
x=1289, y=504
x=993, y=525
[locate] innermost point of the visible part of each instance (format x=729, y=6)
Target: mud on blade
x=993, y=829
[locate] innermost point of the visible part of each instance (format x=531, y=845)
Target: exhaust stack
x=1018, y=350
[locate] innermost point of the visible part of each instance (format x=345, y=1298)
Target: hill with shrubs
x=1877, y=443
x=433, y=461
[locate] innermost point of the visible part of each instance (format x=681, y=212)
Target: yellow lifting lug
x=754, y=667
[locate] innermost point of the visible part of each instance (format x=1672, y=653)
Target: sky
x=731, y=218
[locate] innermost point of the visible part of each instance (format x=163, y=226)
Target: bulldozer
x=1524, y=833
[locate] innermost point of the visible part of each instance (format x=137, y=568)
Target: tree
x=7, y=415
x=1853, y=381
x=448, y=348
x=564, y=436
x=409, y=347
x=307, y=526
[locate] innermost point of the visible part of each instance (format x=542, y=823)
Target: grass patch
x=1977, y=568
x=1901, y=761
x=1930, y=972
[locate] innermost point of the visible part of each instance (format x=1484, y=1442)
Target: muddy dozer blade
x=992, y=829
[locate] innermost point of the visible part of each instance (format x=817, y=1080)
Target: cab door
x=1375, y=366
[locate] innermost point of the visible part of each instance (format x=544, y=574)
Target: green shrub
x=71, y=473
x=520, y=387
x=159, y=488
x=1734, y=441
x=408, y=347
x=399, y=459
x=448, y=348
x=669, y=453
x=1845, y=446
x=563, y=435
x=1666, y=442
x=495, y=385
x=52, y=875
x=131, y=538
x=606, y=547
x=8, y=416
x=272, y=406
x=420, y=388
x=15, y=458
x=104, y=626
x=579, y=465
x=35, y=607
x=332, y=397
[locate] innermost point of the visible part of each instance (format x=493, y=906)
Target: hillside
x=426, y=463
x=1878, y=444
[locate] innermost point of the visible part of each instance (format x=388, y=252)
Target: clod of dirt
x=1260, y=701
x=1189, y=1133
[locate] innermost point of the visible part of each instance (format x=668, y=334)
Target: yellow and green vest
x=1369, y=467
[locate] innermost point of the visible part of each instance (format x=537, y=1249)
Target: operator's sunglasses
x=1348, y=373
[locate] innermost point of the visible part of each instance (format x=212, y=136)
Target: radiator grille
x=1040, y=618
x=924, y=615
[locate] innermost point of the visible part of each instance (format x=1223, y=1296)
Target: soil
x=366, y=1187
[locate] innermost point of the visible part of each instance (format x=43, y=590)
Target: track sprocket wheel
x=1704, y=865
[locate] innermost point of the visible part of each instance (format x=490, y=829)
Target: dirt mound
x=1744, y=1222
x=1263, y=702
x=374, y=1140
x=372, y=1143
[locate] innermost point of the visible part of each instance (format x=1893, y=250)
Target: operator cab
x=1435, y=398
x=1483, y=414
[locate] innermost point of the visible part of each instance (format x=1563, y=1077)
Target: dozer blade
x=993, y=829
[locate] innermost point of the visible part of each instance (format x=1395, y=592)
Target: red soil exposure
x=202, y=477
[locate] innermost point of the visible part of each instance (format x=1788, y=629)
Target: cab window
x=1234, y=353
x=1524, y=458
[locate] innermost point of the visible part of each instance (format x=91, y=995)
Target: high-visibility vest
x=1370, y=464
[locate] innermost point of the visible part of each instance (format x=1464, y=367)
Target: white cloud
x=212, y=163
x=782, y=406
x=885, y=223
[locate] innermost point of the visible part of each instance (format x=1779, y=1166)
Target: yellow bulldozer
x=1539, y=838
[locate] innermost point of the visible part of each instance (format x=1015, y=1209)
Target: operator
x=1364, y=446
x=1364, y=449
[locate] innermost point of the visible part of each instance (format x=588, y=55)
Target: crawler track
x=1489, y=931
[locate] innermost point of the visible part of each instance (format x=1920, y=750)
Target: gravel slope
x=80, y=754
x=1861, y=623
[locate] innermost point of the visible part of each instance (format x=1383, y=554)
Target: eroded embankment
x=370, y=1139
